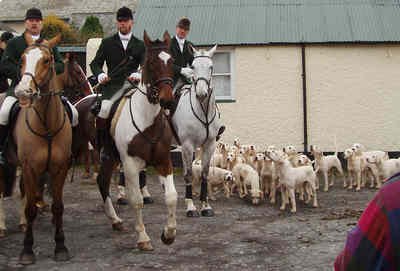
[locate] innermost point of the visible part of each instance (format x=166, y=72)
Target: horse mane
x=151, y=52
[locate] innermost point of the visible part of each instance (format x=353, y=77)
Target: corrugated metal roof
x=233, y=22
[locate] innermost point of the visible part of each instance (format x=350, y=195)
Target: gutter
x=304, y=78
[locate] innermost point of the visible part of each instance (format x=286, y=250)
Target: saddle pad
x=118, y=111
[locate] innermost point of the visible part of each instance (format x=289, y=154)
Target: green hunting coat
x=111, y=51
x=181, y=59
x=10, y=65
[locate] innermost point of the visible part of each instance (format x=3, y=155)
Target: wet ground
x=239, y=237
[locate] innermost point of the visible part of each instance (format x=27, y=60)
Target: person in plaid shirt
x=374, y=244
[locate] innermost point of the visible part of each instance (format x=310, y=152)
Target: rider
x=122, y=53
x=4, y=38
x=182, y=53
x=10, y=67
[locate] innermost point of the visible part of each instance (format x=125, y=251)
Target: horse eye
x=46, y=61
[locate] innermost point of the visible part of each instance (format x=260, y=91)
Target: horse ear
x=54, y=41
x=195, y=51
x=146, y=38
x=212, y=50
x=167, y=37
x=28, y=39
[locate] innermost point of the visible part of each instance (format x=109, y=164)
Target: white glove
x=187, y=72
x=102, y=77
x=135, y=76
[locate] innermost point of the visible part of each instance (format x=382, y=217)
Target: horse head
x=74, y=81
x=37, y=69
x=203, y=69
x=157, y=71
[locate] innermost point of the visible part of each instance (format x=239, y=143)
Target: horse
x=196, y=125
x=42, y=138
x=142, y=136
x=75, y=85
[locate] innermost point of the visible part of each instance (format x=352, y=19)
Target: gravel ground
x=239, y=237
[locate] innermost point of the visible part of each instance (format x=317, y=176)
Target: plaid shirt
x=374, y=244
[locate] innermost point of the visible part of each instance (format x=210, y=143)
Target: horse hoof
x=145, y=246
x=61, y=255
x=119, y=227
x=122, y=201
x=192, y=213
x=207, y=212
x=2, y=233
x=22, y=227
x=27, y=258
x=165, y=240
x=148, y=200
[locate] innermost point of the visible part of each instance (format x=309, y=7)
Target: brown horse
x=142, y=137
x=76, y=86
x=43, y=139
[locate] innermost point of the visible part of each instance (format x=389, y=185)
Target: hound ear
x=54, y=41
x=146, y=39
x=28, y=38
x=167, y=38
x=212, y=51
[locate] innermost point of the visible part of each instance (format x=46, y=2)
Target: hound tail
x=335, y=142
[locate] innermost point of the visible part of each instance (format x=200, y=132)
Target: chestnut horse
x=142, y=137
x=43, y=139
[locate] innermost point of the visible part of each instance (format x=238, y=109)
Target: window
x=223, y=76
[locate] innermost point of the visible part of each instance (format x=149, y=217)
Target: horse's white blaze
x=110, y=212
x=31, y=60
x=164, y=57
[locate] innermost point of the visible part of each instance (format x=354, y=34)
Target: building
x=297, y=72
x=12, y=12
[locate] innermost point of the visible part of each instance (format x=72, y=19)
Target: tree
x=91, y=29
x=52, y=25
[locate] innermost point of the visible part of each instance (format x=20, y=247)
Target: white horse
x=143, y=137
x=196, y=123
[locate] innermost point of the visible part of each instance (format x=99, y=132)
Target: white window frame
x=230, y=98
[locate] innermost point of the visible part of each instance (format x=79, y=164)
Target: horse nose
x=167, y=104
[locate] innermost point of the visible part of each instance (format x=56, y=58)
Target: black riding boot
x=142, y=183
x=3, y=137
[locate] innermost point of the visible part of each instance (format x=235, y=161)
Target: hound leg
x=171, y=198
x=187, y=156
x=284, y=197
x=132, y=166
x=292, y=198
x=103, y=181
x=61, y=252
x=272, y=192
x=358, y=177
x=147, y=199
x=208, y=150
x=326, y=187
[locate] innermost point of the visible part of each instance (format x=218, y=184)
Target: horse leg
x=103, y=181
x=27, y=256
x=57, y=208
x=171, y=198
x=187, y=157
x=86, y=159
x=132, y=166
x=22, y=218
x=2, y=218
x=208, y=150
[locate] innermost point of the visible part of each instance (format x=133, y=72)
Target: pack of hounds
x=243, y=170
